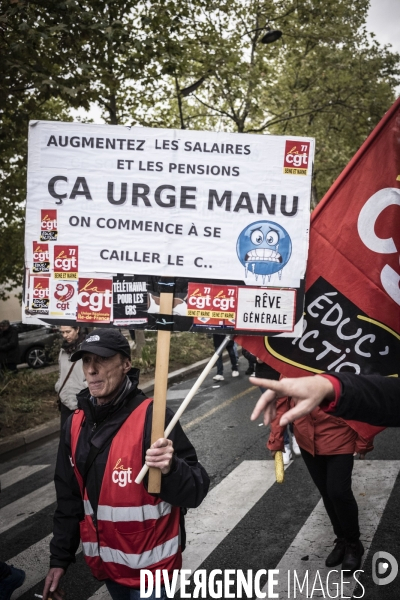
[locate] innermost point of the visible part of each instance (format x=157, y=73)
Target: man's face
x=105, y=375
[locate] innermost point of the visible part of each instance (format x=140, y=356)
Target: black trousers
x=332, y=476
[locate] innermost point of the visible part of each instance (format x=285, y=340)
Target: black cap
x=103, y=342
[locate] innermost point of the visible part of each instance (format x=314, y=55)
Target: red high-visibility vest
x=134, y=529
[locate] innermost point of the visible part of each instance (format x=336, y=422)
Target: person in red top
x=371, y=399
x=328, y=445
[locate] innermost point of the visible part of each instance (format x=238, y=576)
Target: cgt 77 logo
x=219, y=301
x=65, y=261
x=296, y=160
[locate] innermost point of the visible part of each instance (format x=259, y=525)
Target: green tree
x=325, y=78
x=13, y=162
x=57, y=55
x=33, y=84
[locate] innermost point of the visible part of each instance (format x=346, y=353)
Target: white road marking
x=101, y=594
x=212, y=411
x=25, y=507
x=35, y=562
x=19, y=473
x=224, y=507
x=372, y=485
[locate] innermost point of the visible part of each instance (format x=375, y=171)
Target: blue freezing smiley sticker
x=264, y=248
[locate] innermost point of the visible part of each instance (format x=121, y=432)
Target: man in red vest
x=103, y=445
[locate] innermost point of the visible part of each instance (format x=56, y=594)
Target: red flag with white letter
x=352, y=312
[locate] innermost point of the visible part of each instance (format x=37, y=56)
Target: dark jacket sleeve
x=248, y=355
x=187, y=483
x=264, y=371
x=373, y=399
x=69, y=511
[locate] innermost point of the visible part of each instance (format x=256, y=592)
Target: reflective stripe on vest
x=132, y=529
x=133, y=561
x=88, y=507
x=133, y=513
x=128, y=513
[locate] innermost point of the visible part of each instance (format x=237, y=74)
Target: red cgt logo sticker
x=48, y=225
x=296, y=160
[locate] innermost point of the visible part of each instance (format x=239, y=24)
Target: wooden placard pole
x=160, y=388
x=188, y=399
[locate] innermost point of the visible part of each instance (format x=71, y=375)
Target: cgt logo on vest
x=120, y=475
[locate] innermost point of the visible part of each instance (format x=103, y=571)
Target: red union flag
x=352, y=313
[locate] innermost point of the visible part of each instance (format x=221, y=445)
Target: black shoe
x=249, y=371
x=337, y=554
x=352, y=556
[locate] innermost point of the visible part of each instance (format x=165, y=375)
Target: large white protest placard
x=158, y=202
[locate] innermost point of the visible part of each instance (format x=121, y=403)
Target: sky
x=383, y=20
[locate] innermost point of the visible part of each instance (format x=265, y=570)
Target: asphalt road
x=248, y=521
